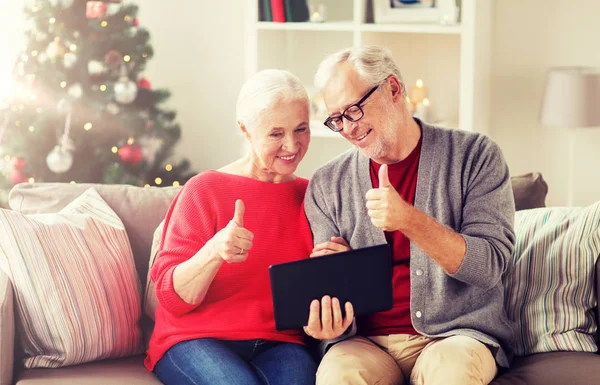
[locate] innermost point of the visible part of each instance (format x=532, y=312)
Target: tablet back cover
x=362, y=276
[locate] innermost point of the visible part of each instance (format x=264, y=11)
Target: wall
x=529, y=38
x=11, y=25
x=199, y=56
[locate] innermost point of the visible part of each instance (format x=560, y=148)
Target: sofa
x=141, y=211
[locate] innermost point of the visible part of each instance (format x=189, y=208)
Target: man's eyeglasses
x=353, y=113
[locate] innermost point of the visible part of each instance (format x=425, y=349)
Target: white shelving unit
x=452, y=60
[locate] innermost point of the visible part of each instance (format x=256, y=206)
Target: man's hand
x=325, y=319
x=385, y=205
x=233, y=241
x=336, y=245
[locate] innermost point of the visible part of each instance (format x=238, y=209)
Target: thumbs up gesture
x=384, y=204
x=233, y=241
x=238, y=215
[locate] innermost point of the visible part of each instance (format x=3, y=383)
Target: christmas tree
x=80, y=110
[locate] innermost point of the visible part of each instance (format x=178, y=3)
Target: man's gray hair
x=265, y=89
x=372, y=63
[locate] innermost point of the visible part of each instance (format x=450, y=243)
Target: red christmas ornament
x=16, y=177
x=18, y=163
x=136, y=22
x=131, y=154
x=95, y=9
x=113, y=58
x=144, y=83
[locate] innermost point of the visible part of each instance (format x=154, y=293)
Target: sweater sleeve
x=318, y=212
x=188, y=226
x=323, y=228
x=488, y=218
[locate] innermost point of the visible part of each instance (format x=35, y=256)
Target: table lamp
x=571, y=100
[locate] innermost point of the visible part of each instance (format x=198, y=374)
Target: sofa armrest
x=7, y=330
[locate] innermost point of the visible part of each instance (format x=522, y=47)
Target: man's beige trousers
x=401, y=359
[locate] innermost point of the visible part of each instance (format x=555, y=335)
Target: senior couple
x=440, y=198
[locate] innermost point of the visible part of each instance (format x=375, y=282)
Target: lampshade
x=572, y=97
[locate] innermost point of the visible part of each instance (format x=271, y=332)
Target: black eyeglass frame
x=329, y=121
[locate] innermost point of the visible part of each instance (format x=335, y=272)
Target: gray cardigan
x=463, y=183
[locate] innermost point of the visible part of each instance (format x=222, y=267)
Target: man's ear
x=396, y=87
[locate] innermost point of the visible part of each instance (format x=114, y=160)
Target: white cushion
x=549, y=288
x=76, y=288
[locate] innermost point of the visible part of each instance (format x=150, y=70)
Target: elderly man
x=443, y=201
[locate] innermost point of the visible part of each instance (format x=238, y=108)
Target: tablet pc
x=362, y=276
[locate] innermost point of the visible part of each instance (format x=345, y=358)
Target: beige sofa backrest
x=140, y=209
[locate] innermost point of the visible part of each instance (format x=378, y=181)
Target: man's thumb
x=238, y=216
x=384, y=181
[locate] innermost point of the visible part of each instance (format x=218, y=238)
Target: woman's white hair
x=372, y=63
x=265, y=89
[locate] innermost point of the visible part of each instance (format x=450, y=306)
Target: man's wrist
x=408, y=219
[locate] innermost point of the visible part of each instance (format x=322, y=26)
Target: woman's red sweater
x=238, y=304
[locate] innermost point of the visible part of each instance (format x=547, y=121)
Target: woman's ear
x=244, y=130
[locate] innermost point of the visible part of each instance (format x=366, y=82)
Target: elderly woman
x=215, y=322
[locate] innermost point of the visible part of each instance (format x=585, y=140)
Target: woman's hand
x=336, y=245
x=325, y=320
x=192, y=278
x=233, y=241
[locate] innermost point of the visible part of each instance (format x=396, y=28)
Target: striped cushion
x=549, y=287
x=76, y=289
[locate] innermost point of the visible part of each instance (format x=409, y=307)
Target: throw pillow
x=529, y=191
x=76, y=288
x=549, y=286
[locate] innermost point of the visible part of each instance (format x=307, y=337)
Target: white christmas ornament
x=95, y=67
x=125, y=90
x=42, y=57
x=69, y=60
x=59, y=160
x=40, y=36
x=75, y=91
x=112, y=9
x=64, y=106
x=54, y=49
x=112, y=108
x=150, y=147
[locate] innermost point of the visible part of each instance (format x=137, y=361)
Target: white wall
x=530, y=37
x=11, y=41
x=199, y=57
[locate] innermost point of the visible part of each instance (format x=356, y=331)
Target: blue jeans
x=254, y=362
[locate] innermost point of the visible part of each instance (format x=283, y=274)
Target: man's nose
x=348, y=126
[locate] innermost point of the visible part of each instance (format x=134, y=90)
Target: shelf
x=348, y=26
x=413, y=28
x=306, y=26
x=317, y=129
x=459, y=89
